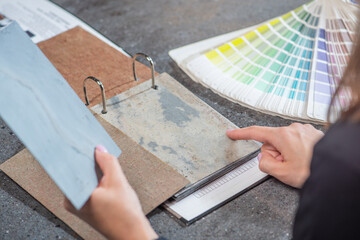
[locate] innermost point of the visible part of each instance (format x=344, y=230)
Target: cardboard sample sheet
x=153, y=181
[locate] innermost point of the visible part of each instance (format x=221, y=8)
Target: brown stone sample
x=77, y=54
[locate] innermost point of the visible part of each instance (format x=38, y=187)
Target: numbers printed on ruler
x=226, y=178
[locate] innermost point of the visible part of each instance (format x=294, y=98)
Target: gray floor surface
x=155, y=27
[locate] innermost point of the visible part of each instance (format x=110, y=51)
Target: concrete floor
x=155, y=27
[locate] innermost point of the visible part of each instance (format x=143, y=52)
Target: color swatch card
x=49, y=118
x=288, y=66
x=331, y=53
x=177, y=127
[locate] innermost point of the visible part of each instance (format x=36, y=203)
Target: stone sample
x=47, y=115
x=177, y=127
x=77, y=54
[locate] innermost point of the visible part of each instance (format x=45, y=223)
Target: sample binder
x=166, y=108
x=153, y=181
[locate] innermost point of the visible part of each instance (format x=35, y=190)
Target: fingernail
x=259, y=156
x=101, y=148
x=229, y=130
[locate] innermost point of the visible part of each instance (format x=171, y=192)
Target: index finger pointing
x=258, y=133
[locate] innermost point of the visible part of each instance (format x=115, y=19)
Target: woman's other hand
x=113, y=208
x=287, y=151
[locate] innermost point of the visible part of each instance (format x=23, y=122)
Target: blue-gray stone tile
x=48, y=117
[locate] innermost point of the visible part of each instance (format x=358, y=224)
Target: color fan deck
x=289, y=66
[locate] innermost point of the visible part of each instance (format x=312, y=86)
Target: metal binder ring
x=152, y=68
x=102, y=92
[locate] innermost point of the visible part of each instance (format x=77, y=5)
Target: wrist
x=148, y=231
x=139, y=228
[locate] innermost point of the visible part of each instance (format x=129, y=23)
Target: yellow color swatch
x=226, y=50
x=263, y=29
x=214, y=57
x=250, y=36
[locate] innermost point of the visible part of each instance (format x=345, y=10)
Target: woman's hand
x=113, y=208
x=287, y=151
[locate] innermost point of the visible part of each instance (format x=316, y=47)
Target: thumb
x=68, y=206
x=269, y=164
x=108, y=163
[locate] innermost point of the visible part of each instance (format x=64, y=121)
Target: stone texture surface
x=177, y=127
x=45, y=103
x=155, y=27
x=77, y=54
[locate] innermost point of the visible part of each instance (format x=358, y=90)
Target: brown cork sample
x=153, y=181
x=77, y=54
